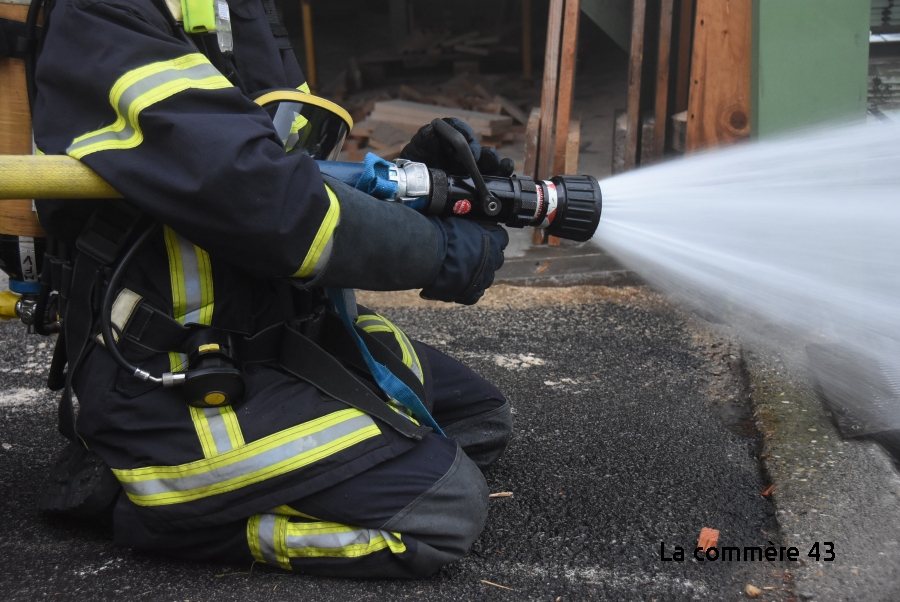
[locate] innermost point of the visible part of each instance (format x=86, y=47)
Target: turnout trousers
x=403, y=517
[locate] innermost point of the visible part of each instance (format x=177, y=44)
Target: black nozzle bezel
x=578, y=209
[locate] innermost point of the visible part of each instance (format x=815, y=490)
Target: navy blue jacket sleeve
x=124, y=90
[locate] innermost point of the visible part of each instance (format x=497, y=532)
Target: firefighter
x=296, y=466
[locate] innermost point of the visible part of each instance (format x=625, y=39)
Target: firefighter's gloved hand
x=472, y=252
x=429, y=148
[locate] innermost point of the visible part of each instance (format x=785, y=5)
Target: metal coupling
x=173, y=379
x=25, y=309
x=413, y=180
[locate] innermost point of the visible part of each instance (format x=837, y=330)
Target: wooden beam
x=719, y=103
x=310, y=46
x=683, y=70
x=569, y=163
x=573, y=145
x=662, y=77
x=634, y=84
x=16, y=216
x=526, y=39
x=566, y=81
x=549, y=88
x=532, y=134
x=398, y=17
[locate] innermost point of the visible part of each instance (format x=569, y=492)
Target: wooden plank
x=526, y=39
x=634, y=84
x=309, y=45
x=679, y=131
x=662, y=77
x=406, y=115
x=573, y=145
x=648, y=153
x=398, y=17
x=569, y=162
x=683, y=70
x=511, y=109
x=532, y=134
x=620, y=127
x=386, y=136
x=549, y=88
x=15, y=117
x=16, y=217
x=566, y=81
x=719, y=103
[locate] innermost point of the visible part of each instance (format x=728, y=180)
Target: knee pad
x=446, y=519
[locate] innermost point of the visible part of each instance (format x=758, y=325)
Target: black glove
x=472, y=252
x=429, y=148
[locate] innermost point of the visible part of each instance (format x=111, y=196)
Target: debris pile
x=387, y=116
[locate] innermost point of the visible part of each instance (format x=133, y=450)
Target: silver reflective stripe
x=322, y=261
x=191, y=274
x=337, y=540
x=267, y=539
x=133, y=92
x=247, y=465
x=219, y=431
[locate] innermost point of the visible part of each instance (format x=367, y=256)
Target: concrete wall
x=810, y=62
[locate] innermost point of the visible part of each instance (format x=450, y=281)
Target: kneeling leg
x=470, y=410
x=406, y=517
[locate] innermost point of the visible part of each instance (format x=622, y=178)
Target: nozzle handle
x=489, y=203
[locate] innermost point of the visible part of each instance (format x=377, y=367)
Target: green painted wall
x=613, y=17
x=810, y=62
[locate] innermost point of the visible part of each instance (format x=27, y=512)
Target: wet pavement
x=619, y=446
x=570, y=264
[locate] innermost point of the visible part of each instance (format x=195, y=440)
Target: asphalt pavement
x=619, y=446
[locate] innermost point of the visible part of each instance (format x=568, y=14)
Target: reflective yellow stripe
x=176, y=274
x=231, y=425
x=316, y=256
x=288, y=511
x=298, y=124
x=193, y=301
x=378, y=323
x=281, y=550
x=141, y=88
x=304, y=87
x=217, y=429
x=266, y=458
x=207, y=295
x=275, y=539
x=253, y=538
x=201, y=424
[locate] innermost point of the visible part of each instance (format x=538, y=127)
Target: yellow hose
x=8, y=300
x=50, y=177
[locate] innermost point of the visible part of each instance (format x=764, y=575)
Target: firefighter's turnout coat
x=169, y=121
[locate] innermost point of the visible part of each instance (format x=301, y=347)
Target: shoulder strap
x=100, y=243
x=279, y=31
x=307, y=361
